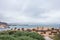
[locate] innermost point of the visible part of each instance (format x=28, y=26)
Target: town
x=40, y=30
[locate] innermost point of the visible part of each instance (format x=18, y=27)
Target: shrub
x=36, y=36
x=20, y=35
x=6, y=37
x=57, y=37
x=25, y=38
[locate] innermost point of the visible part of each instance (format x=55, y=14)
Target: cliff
x=3, y=25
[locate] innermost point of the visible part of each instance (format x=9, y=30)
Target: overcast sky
x=30, y=11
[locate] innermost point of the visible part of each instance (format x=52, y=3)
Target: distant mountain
x=4, y=25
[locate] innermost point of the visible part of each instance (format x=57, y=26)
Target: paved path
x=47, y=38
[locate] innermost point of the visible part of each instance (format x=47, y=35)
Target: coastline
x=45, y=31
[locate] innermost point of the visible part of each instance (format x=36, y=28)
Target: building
x=45, y=31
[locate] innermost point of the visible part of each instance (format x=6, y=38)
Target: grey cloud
x=33, y=9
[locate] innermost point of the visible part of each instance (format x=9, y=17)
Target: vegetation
x=56, y=37
x=20, y=35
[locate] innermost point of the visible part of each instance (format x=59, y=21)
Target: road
x=47, y=38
